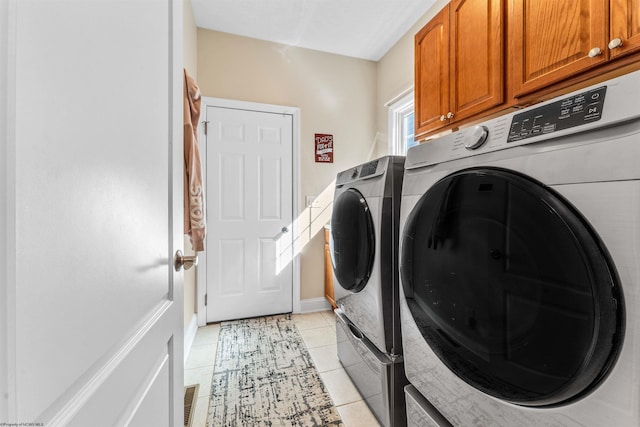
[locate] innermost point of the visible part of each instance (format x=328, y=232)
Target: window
x=401, y=130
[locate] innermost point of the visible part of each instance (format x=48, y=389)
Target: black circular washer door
x=353, y=240
x=511, y=287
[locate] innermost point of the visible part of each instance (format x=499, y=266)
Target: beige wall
x=190, y=41
x=395, y=69
x=335, y=94
x=190, y=59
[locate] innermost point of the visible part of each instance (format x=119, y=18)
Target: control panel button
x=585, y=107
x=474, y=139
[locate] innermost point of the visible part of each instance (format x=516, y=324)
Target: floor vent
x=190, y=395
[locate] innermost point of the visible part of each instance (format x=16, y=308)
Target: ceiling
x=364, y=29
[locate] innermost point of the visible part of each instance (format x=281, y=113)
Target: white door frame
x=267, y=108
x=7, y=221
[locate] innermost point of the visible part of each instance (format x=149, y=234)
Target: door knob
x=282, y=232
x=181, y=260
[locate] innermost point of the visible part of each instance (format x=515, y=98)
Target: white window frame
x=399, y=108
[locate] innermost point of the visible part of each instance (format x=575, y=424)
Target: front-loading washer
x=519, y=265
x=363, y=245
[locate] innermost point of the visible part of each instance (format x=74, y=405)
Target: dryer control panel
x=576, y=110
x=581, y=111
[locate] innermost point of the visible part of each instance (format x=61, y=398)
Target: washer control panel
x=369, y=169
x=576, y=110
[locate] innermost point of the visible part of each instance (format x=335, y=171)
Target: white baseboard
x=310, y=305
x=189, y=335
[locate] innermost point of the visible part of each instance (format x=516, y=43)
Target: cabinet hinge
x=205, y=299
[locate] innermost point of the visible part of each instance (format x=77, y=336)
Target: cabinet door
x=328, y=271
x=432, y=73
x=552, y=40
x=625, y=25
x=476, y=56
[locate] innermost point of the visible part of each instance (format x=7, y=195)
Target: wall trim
x=399, y=96
x=270, y=108
x=310, y=305
x=8, y=36
x=189, y=336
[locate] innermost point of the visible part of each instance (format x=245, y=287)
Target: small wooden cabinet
x=556, y=40
x=328, y=271
x=551, y=40
x=431, y=74
x=624, y=24
x=459, y=64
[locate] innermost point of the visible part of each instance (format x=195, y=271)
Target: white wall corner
x=189, y=335
x=310, y=305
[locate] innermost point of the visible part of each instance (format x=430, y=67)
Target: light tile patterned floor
x=318, y=331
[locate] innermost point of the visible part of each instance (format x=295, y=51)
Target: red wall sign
x=324, y=148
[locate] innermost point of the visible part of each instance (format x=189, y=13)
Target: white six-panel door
x=92, y=321
x=249, y=212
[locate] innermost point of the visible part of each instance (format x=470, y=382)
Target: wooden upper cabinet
x=432, y=74
x=459, y=64
x=624, y=22
x=552, y=40
x=476, y=57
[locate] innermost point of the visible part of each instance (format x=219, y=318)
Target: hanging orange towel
x=194, y=219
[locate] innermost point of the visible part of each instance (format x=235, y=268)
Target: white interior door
x=92, y=321
x=249, y=213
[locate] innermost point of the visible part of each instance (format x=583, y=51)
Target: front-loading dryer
x=363, y=245
x=520, y=279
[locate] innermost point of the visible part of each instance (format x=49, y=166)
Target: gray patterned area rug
x=264, y=376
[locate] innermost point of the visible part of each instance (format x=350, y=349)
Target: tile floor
x=318, y=331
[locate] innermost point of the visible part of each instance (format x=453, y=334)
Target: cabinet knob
x=449, y=115
x=443, y=118
x=615, y=43
x=595, y=52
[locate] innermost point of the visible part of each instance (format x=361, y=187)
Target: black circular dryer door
x=511, y=287
x=353, y=240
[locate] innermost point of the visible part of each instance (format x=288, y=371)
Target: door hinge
x=206, y=126
x=205, y=299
